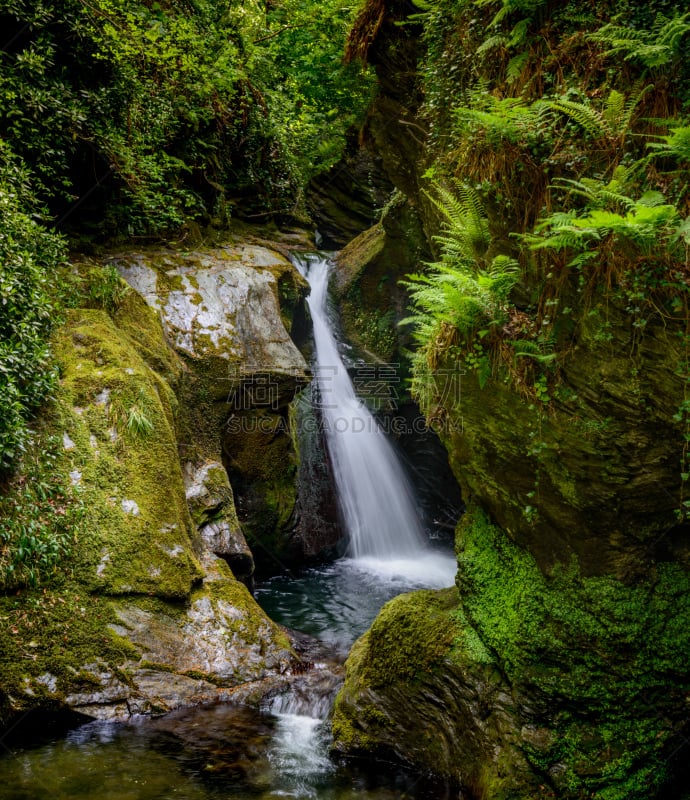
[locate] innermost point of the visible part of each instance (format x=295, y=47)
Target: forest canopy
x=127, y=119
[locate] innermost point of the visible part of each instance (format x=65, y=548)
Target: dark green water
x=211, y=753
x=337, y=603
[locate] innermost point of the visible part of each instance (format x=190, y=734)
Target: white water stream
x=387, y=545
x=374, y=495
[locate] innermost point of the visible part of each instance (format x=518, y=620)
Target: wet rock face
x=210, y=500
x=220, y=310
x=367, y=279
x=596, y=474
x=345, y=200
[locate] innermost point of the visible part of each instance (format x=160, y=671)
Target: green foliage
x=40, y=515
x=466, y=288
x=313, y=96
x=657, y=46
x=506, y=119
x=136, y=117
x=103, y=288
x=612, y=121
x=643, y=227
x=674, y=145
x=610, y=649
x=509, y=7
x=132, y=412
x=29, y=259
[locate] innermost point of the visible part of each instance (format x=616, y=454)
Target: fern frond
x=584, y=115
x=460, y=290
x=528, y=348
x=653, y=48
x=466, y=233
x=674, y=145
x=498, y=40
x=515, y=67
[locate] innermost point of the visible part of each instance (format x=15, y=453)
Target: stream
x=282, y=749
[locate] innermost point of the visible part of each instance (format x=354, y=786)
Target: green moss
x=54, y=631
x=411, y=637
x=611, y=657
x=136, y=532
x=142, y=325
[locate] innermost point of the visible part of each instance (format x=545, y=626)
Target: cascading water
x=388, y=552
x=374, y=495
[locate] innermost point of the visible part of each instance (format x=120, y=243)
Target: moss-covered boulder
x=421, y=690
x=518, y=685
x=136, y=615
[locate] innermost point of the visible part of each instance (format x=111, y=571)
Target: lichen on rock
x=143, y=617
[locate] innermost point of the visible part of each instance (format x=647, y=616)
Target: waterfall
x=375, y=497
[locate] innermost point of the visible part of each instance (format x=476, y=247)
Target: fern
x=464, y=288
x=653, y=48
x=508, y=119
x=466, y=229
x=613, y=121
x=508, y=40
x=529, y=348
x=674, y=145
x=509, y=7
x=515, y=67
x=640, y=225
x=600, y=195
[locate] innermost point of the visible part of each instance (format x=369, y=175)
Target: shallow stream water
x=229, y=752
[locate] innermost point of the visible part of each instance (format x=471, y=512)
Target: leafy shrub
x=39, y=517
x=29, y=258
x=137, y=117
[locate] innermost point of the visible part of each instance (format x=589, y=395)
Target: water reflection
x=210, y=753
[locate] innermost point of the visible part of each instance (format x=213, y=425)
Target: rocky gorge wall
x=558, y=664
x=161, y=389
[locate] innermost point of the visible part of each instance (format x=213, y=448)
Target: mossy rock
x=594, y=472
x=521, y=685
x=136, y=546
x=367, y=277
x=259, y=453
x=137, y=533
x=421, y=690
